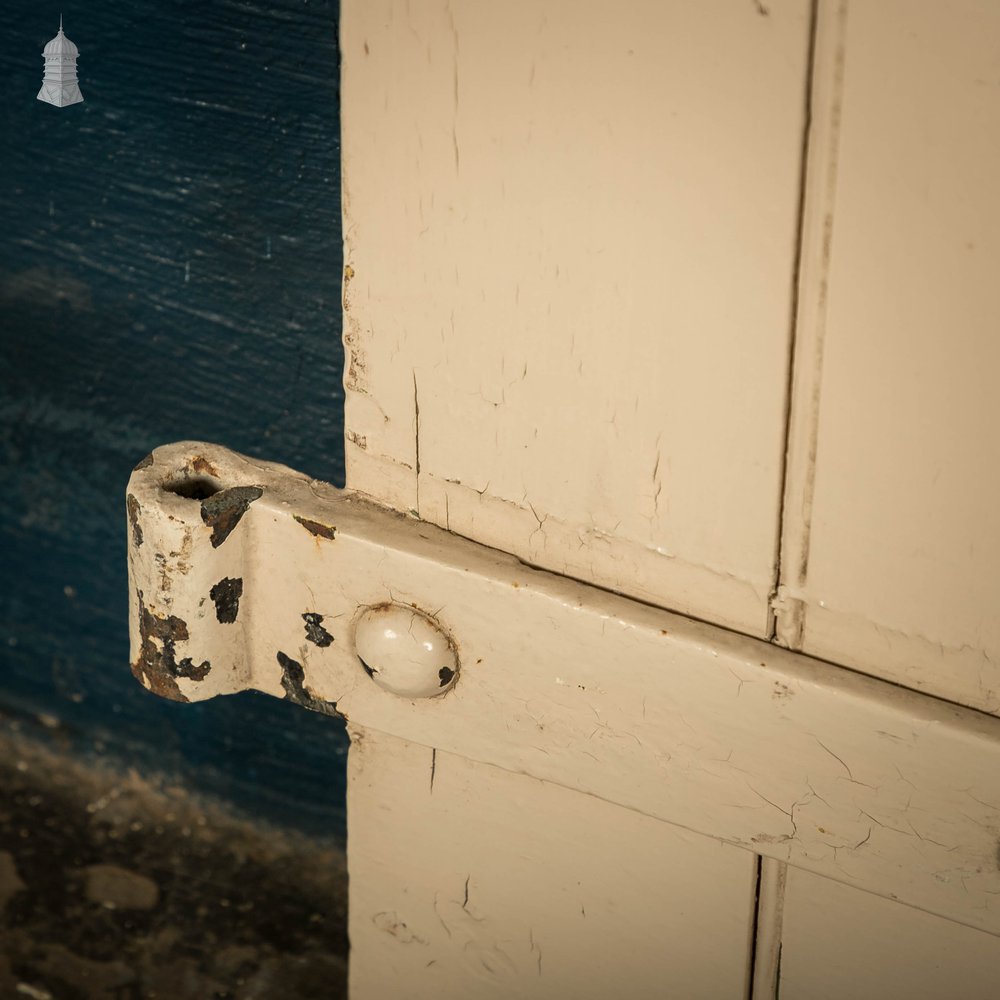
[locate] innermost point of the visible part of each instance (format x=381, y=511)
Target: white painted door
x=589, y=246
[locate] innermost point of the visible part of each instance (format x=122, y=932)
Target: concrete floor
x=115, y=887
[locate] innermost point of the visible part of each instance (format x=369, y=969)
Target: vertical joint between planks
x=765, y=973
x=416, y=445
x=755, y=920
x=820, y=143
x=800, y=214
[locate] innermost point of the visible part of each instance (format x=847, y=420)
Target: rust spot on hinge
x=226, y=594
x=133, y=518
x=143, y=463
x=293, y=680
x=315, y=528
x=315, y=632
x=204, y=466
x=158, y=667
x=222, y=511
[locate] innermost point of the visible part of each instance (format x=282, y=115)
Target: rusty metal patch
x=293, y=680
x=143, y=463
x=226, y=594
x=315, y=528
x=157, y=665
x=133, y=518
x=204, y=466
x=222, y=511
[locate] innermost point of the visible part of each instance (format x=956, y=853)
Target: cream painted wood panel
x=471, y=882
x=839, y=943
x=570, y=235
x=892, y=526
x=572, y=240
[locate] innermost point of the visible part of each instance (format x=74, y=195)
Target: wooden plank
x=470, y=882
x=570, y=238
x=785, y=755
x=892, y=529
x=840, y=942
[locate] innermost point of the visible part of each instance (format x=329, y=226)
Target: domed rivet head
x=405, y=651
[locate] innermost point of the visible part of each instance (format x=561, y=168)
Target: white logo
x=59, y=86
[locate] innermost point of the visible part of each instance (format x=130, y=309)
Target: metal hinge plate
x=247, y=575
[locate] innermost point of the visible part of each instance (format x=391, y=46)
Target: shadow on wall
x=169, y=269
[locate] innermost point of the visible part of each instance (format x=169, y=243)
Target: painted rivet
x=405, y=651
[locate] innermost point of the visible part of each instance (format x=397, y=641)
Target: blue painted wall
x=170, y=260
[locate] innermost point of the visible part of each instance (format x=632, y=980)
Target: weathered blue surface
x=170, y=258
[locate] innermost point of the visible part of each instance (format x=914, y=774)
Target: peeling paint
x=315, y=632
x=133, y=519
x=223, y=510
x=315, y=528
x=157, y=666
x=226, y=594
x=293, y=680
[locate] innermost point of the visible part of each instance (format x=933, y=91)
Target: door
x=587, y=248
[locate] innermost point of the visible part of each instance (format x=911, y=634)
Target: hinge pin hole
x=195, y=488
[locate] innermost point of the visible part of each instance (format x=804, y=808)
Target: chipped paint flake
x=315, y=528
x=222, y=511
x=293, y=680
x=134, y=510
x=315, y=632
x=157, y=666
x=226, y=594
